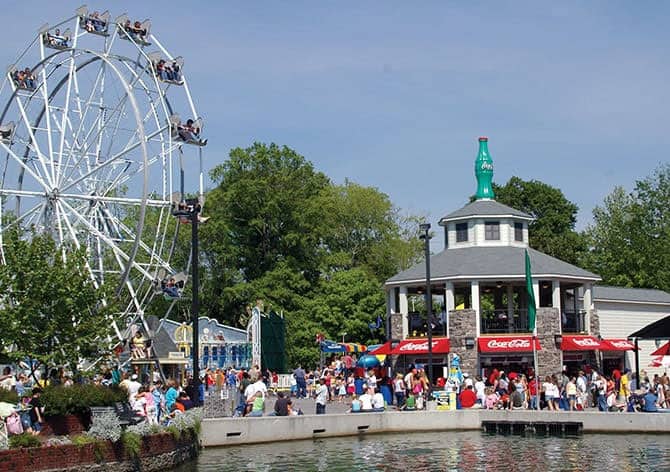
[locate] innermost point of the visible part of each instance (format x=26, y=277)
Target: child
x=491, y=400
x=342, y=390
x=351, y=386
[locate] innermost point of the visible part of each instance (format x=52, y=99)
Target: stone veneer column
x=549, y=357
x=396, y=326
x=462, y=324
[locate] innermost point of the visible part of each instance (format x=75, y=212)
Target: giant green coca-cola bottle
x=484, y=170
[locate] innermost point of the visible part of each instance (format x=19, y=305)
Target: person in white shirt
x=321, y=397
x=366, y=401
x=378, y=401
x=133, y=388
x=372, y=379
x=480, y=390
x=467, y=382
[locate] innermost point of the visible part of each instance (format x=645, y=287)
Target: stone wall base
x=159, y=452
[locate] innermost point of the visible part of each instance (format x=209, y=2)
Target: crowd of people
x=148, y=397
x=342, y=381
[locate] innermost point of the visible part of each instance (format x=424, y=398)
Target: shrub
x=83, y=439
x=132, y=442
x=190, y=421
x=106, y=427
x=143, y=428
x=8, y=396
x=24, y=440
x=77, y=399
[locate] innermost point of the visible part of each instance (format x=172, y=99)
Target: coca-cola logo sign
x=586, y=342
x=416, y=346
x=508, y=344
x=622, y=344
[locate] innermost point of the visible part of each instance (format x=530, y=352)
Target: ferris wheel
x=94, y=153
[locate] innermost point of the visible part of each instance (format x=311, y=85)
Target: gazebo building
x=480, y=276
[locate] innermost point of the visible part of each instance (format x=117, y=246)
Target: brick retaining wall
x=158, y=452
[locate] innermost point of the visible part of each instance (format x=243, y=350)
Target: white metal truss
x=92, y=160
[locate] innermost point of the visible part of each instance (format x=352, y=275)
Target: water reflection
x=470, y=451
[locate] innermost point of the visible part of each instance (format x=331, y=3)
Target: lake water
x=448, y=451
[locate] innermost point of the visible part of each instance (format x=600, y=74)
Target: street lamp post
x=191, y=211
x=425, y=227
x=343, y=335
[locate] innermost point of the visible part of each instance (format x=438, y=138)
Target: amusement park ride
x=92, y=148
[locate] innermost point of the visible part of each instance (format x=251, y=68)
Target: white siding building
x=622, y=311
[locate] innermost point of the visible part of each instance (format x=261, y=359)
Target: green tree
x=630, y=236
x=318, y=252
x=360, y=227
x=50, y=309
x=553, y=231
x=345, y=302
x=259, y=220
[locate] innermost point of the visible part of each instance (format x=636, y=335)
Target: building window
x=461, y=232
x=518, y=231
x=492, y=231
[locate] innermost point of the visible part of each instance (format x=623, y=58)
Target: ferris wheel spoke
x=83, y=113
x=28, y=215
x=117, y=251
x=65, y=120
x=22, y=163
x=149, y=251
x=33, y=141
x=45, y=97
x=113, y=159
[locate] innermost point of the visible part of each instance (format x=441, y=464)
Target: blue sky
x=394, y=95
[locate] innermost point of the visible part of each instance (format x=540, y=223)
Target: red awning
x=664, y=350
x=504, y=344
x=420, y=346
x=580, y=343
x=384, y=349
x=617, y=345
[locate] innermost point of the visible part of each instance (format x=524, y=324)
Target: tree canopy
x=50, y=309
x=553, y=231
x=630, y=235
x=317, y=251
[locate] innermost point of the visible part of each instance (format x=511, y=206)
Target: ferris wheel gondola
x=89, y=151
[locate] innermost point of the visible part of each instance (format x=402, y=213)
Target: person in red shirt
x=468, y=397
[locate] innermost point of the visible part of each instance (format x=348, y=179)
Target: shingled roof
x=627, y=294
x=485, y=208
x=485, y=261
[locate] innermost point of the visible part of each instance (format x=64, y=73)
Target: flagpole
x=537, y=373
x=532, y=307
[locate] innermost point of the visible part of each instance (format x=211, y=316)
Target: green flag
x=531, y=295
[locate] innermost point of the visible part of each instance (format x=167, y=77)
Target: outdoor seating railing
x=503, y=321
